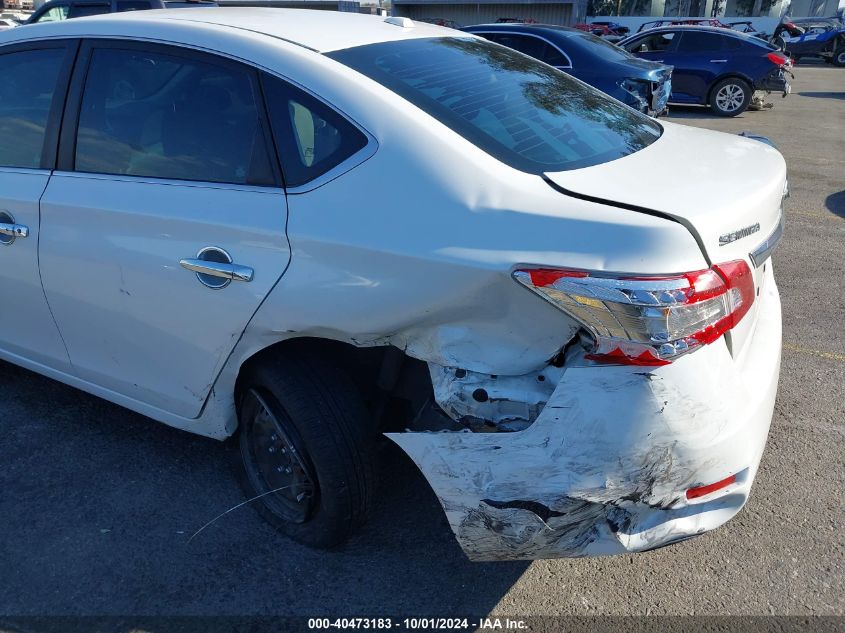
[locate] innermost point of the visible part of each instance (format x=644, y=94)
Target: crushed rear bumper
x=605, y=466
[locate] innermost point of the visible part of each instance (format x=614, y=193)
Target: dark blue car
x=713, y=66
x=641, y=84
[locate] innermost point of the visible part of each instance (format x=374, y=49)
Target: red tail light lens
x=777, y=59
x=648, y=320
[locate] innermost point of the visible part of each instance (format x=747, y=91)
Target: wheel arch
x=728, y=75
x=379, y=372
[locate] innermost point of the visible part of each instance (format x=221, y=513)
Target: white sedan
x=308, y=229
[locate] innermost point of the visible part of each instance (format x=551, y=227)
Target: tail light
x=776, y=58
x=647, y=320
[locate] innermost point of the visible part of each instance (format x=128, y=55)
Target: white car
x=306, y=229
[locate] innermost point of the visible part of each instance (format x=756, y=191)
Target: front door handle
x=13, y=230
x=233, y=272
x=718, y=61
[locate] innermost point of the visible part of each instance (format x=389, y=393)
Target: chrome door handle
x=233, y=272
x=718, y=61
x=14, y=230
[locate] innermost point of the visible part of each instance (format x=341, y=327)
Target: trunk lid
x=726, y=189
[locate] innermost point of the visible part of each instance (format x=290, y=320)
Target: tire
x=730, y=97
x=839, y=56
x=304, y=426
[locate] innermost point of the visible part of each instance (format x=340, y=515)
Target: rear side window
x=311, y=137
x=167, y=116
x=83, y=10
x=699, y=42
x=26, y=95
x=524, y=113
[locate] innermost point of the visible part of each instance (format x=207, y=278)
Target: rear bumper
x=775, y=82
x=605, y=466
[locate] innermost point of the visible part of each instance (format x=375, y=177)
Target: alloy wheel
x=730, y=97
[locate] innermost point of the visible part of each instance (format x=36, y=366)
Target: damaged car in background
x=414, y=233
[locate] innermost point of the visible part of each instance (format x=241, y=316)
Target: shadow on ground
x=835, y=203
x=96, y=520
x=823, y=95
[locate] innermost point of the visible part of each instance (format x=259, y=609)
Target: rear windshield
x=523, y=112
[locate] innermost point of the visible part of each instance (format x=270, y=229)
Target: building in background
x=352, y=6
x=487, y=11
x=713, y=8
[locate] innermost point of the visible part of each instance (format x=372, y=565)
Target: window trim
x=70, y=122
x=49, y=149
x=524, y=34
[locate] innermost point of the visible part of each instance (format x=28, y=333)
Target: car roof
x=530, y=28
x=718, y=30
x=317, y=30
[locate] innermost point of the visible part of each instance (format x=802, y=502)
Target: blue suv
x=713, y=66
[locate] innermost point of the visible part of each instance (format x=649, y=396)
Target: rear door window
x=699, y=42
x=531, y=46
x=162, y=115
x=657, y=42
x=83, y=10
x=132, y=5
x=26, y=96
x=523, y=112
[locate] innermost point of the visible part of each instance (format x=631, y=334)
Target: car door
x=699, y=58
x=31, y=97
x=163, y=228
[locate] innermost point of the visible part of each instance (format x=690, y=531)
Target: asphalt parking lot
x=98, y=504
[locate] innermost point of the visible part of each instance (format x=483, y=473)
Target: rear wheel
x=730, y=97
x=839, y=56
x=306, y=448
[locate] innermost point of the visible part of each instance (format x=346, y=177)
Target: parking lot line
x=815, y=352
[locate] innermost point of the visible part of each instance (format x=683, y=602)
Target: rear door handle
x=233, y=272
x=14, y=230
x=718, y=61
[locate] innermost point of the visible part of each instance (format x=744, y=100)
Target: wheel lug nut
x=272, y=449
